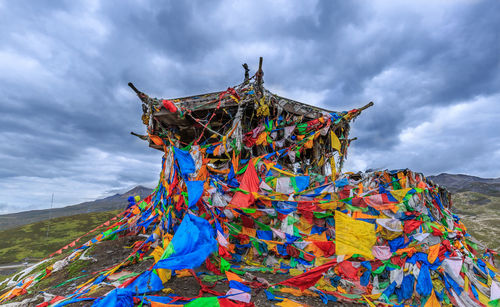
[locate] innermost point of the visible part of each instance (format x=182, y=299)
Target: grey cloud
x=66, y=112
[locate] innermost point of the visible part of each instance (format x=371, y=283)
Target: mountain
x=117, y=201
x=477, y=202
x=464, y=183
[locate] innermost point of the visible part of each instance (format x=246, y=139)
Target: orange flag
x=433, y=252
x=432, y=301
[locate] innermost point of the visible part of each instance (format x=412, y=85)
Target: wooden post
x=259, y=74
x=247, y=75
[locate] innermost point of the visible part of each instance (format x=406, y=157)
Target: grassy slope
x=31, y=240
x=481, y=215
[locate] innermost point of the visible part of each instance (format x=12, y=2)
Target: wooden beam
x=140, y=94
x=142, y=137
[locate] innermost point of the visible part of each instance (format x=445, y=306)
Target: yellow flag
x=323, y=284
x=164, y=274
x=334, y=169
x=295, y=272
x=353, y=236
x=483, y=298
x=157, y=253
x=334, y=140
x=289, y=303
x=369, y=302
x=466, y=284
x=400, y=194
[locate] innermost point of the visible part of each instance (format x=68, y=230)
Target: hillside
x=115, y=202
x=481, y=214
x=477, y=201
x=464, y=183
x=31, y=240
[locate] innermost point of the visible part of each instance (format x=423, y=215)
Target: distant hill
x=117, y=201
x=31, y=240
x=481, y=215
x=464, y=183
x=477, y=202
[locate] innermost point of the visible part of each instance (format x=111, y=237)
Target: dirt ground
x=109, y=253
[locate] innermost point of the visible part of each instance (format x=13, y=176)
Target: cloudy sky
x=431, y=67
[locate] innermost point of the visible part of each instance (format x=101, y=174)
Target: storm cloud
x=431, y=67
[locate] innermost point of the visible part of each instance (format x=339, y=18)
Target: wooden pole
x=142, y=137
x=370, y=104
x=247, y=75
x=141, y=95
x=132, y=86
x=259, y=74
x=50, y=216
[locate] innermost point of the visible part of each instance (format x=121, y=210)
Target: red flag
x=169, y=105
x=212, y=268
x=57, y=299
x=328, y=247
x=436, y=232
x=225, y=302
x=250, y=183
x=411, y=225
x=309, y=278
x=347, y=269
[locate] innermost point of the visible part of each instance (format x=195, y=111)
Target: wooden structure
x=239, y=115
